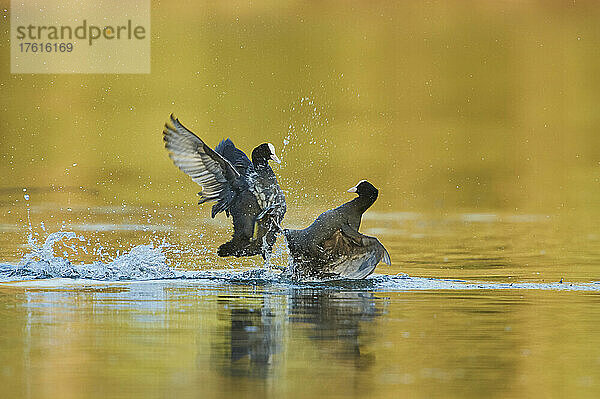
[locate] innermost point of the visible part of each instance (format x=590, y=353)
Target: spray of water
x=149, y=262
x=146, y=262
x=143, y=262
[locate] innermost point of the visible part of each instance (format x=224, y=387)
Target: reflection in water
x=335, y=319
x=187, y=339
x=251, y=338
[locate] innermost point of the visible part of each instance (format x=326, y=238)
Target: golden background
x=442, y=105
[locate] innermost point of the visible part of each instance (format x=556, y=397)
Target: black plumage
x=247, y=190
x=331, y=247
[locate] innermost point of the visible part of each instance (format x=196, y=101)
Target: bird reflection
x=337, y=320
x=252, y=336
x=252, y=331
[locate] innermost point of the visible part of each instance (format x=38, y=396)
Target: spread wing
x=354, y=256
x=215, y=174
x=235, y=156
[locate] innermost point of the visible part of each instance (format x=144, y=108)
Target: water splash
x=29, y=227
x=274, y=257
x=147, y=262
x=143, y=262
x=307, y=124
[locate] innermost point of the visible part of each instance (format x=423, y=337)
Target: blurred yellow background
x=443, y=105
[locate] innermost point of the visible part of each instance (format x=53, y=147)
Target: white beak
x=353, y=190
x=274, y=158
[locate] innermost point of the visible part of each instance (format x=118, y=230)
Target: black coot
x=246, y=190
x=332, y=247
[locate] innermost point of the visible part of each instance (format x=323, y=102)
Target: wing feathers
x=341, y=244
x=189, y=153
x=238, y=159
x=386, y=256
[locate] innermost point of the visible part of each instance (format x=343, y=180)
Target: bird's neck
x=363, y=202
x=259, y=162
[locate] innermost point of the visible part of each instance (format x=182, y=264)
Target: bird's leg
x=255, y=231
x=268, y=211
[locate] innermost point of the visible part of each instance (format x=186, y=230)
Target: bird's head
x=364, y=189
x=263, y=153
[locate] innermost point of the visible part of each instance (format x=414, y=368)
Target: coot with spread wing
x=245, y=189
x=332, y=247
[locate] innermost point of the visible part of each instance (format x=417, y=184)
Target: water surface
x=469, y=308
